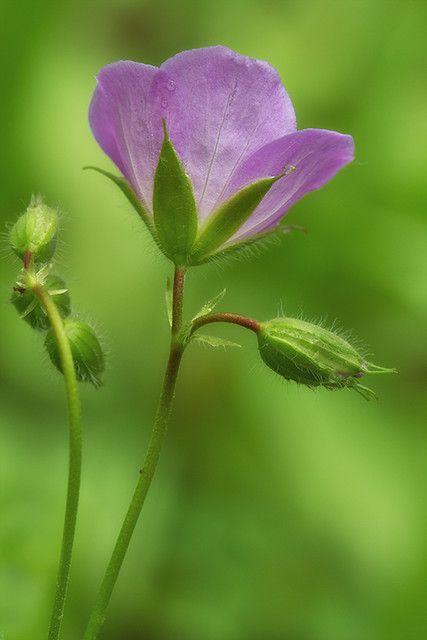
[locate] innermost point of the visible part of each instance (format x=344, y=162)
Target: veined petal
x=220, y=107
x=317, y=156
x=121, y=119
x=230, y=121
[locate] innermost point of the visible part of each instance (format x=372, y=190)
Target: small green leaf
x=175, y=213
x=214, y=341
x=127, y=190
x=169, y=298
x=57, y=292
x=209, y=306
x=226, y=220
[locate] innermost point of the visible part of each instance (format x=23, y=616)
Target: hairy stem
x=99, y=609
x=75, y=458
x=232, y=318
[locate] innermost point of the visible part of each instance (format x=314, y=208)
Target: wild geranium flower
x=211, y=160
x=209, y=147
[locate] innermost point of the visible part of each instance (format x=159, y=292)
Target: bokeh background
x=277, y=513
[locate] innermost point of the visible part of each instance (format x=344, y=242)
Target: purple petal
x=121, y=121
x=219, y=108
x=317, y=156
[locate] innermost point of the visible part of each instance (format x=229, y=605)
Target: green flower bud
x=314, y=356
x=87, y=352
x=35, y=232
x=30, y=308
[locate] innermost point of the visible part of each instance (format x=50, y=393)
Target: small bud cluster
x=34, y=239
x=30, y=307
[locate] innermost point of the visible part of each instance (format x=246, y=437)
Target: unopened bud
x=31, y=309
x=85, y=347
x=34, y=234
x=313, y=356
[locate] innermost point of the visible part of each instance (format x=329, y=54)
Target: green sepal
x=130, y=194
x=214, y=341
x=210, y=305
x=230, y=216
x=252, y=246
x=174, y=206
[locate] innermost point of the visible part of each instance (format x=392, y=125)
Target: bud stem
x=98, y=613
x=75, y=458
x=27, y=259
x=233, y=318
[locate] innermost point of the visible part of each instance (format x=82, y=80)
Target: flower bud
x=312, y=355
x=30, y=308
x=87, y=352
x=35, y=232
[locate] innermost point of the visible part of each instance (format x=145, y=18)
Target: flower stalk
x=146, y=474
x=233, y=318
x=75, y=457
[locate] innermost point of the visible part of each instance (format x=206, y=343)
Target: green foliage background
x=277, y=513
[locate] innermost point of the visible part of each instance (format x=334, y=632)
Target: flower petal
x=120, y=117
x=317, y=156
x=220, y=107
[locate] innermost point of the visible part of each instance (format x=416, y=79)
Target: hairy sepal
x=226, y=220
x=251, y=246
x=174, y=206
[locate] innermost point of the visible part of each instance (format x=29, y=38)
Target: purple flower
x=231, y=123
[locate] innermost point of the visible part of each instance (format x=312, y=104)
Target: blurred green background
x=277, y=513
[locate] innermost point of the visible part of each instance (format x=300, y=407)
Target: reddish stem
x=177, y=300
x=232, y=318
x=27, y=259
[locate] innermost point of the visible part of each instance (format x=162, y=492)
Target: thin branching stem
x=75, y=457
x=146, y=474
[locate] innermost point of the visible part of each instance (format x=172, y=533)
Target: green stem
x=99, y=609
x=75, y=458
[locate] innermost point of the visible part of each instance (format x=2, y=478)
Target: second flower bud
x=86, y=350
